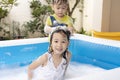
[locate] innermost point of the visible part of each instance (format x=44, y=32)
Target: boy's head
x=59, y=2
x=60, y=7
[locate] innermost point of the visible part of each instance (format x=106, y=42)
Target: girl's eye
x=56, y=41
x=63, y=41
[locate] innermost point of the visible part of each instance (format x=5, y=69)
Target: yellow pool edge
x=106, y=35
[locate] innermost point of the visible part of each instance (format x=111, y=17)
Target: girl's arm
x=68, y=58
x=39, y=62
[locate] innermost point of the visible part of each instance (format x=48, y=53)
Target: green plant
x=5, y=8
x=84, y=32
x=3, y=13
x=39, y=13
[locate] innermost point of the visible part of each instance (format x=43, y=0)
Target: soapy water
x=74, y=70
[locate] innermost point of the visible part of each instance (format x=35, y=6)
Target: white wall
x=20, y=13
x=92, y=14
x=97, y=14
x=77, y=15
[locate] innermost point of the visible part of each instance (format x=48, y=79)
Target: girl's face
x=59, y=43
x=60, y=10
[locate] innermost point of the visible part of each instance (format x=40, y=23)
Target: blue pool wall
x=85, y=49
x=104, y=56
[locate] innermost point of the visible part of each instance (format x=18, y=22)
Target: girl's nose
x=59, y=44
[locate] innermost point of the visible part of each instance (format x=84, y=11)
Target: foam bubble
x=74, y=70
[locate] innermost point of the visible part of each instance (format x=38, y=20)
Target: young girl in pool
x=53, y=64
x=59, y=18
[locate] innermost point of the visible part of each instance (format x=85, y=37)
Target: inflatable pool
x=85, y=49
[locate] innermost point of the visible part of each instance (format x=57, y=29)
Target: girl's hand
x=30, y=74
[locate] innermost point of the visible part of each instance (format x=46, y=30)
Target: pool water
x=74, y=70
x=89, y=56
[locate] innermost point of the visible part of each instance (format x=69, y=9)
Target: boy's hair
x=59, y=2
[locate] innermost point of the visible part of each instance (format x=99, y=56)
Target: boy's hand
x=71, y=30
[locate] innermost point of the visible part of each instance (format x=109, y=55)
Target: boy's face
x=60, y=10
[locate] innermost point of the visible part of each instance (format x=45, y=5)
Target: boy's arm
x=48, y=29
x=70, y=25
x=71, y=29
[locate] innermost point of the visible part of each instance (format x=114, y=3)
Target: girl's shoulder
x=43, y=58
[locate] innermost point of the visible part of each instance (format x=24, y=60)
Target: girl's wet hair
x=59, y=2
x=60, y=30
